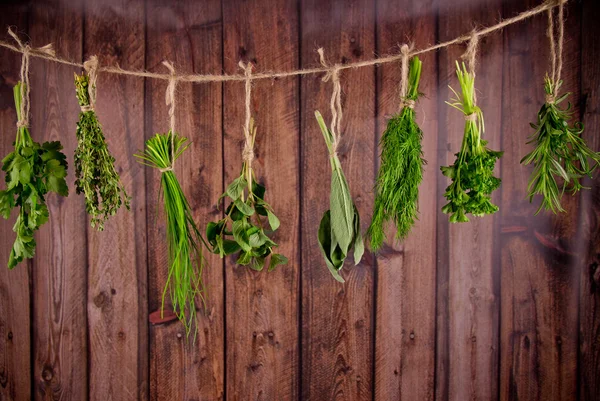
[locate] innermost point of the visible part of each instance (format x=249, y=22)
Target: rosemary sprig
x=401, y=171
x=97, y=178
x=560, y=153
x=472, y=173
x=184, y=240
x=242, y=229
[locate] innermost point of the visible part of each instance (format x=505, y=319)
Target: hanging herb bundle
x=560, y=152
x=340, y=226
x=401, y=171
x=186, y=260
x=472, y=173
x=97, y=178
x=32, y=170
x=243, y=229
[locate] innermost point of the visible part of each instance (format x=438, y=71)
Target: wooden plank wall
x=503, y=308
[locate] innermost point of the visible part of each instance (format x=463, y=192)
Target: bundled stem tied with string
x=560, y=153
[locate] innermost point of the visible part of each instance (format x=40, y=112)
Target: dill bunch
x=97, y=178
x=472, y=173
x=184, y=240
x=401, y=170
x=559, y=153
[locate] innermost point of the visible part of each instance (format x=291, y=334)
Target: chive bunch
x=184, y=240
x=472, y=173
x=401, y=171
x=559, y=153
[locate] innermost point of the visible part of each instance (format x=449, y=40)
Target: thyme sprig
x=472, y=173
x=560, y=153
x=401, y=171
x=97, y=178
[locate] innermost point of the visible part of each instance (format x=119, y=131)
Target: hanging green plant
x=97, y=178
x=339, y=230
x=401, y=171
x=243, y=230
x=32, y=170
x=472, y=173
x=560, y=153
x=184, y=240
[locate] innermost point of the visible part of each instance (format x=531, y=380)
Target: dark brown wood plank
x=60, y=265
x=406, y=271
x=337, y=319
x=539, y=277
x=189, y=35
x=589, y=296
x=472, y=288
x=15, y=312
x=262, y=308
x=117, y=298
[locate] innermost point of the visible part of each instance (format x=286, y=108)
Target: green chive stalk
x=401, y=171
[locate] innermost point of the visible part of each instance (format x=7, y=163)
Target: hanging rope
x=470, y=56
x=248, y=152
x=556, y=50
x=91, y=68
x=333, y=74
x=26, y=50
x=404, y=102
x=170, y=102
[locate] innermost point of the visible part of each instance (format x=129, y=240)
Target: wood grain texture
x=189, y=35
x=15, y=311
x=472, y=287
x=589, y=296
x=60, y=265
x=262, y=308
x=539, y=277
x=337, y=319
x=117, y=287
x=406, y=271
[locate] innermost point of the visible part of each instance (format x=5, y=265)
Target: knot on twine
x=550, y=99
x=164, y=170
x=248, y=154
x=91, y=68
x=407, y=103
x=27, y=50
x=471, y=117
x=335, y=104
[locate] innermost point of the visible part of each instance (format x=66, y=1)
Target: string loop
x=91, y=68
x=404, y=102
x=170, y=102
x=248, y=152
x=556, y=49
x=26, y=50
x=335, y=104
x=470, y=56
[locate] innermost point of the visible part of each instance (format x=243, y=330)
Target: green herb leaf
x=277, y=259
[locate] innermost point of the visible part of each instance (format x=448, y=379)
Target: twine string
x=91, y=68
x=470, y=56
x=556, y=50
x=404, y=102
x=248, y=152
x=26, y=51
x=335, y=104
x=170, y=102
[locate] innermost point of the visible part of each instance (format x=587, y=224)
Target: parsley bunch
x=401, y=171
x=242, y=229
x=184, y=240
x=340, y=226
x=96, y=176
x=560, y=152
x=472, y=173
x=32, y=170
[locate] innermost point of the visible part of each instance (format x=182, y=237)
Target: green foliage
x=560, y=153
x=243, y=230
x=472, y=173
x=401, y=171
x=184, y=240
x=96, y=176
x=32, y=170
x=340, y=226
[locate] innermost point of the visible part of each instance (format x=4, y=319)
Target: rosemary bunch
x=559, y=153
x=242, y=229
x=184, y=240
x=401, y=170
x=32, y=170
x=340, y=226
x=472, y=173
x=96, y=176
